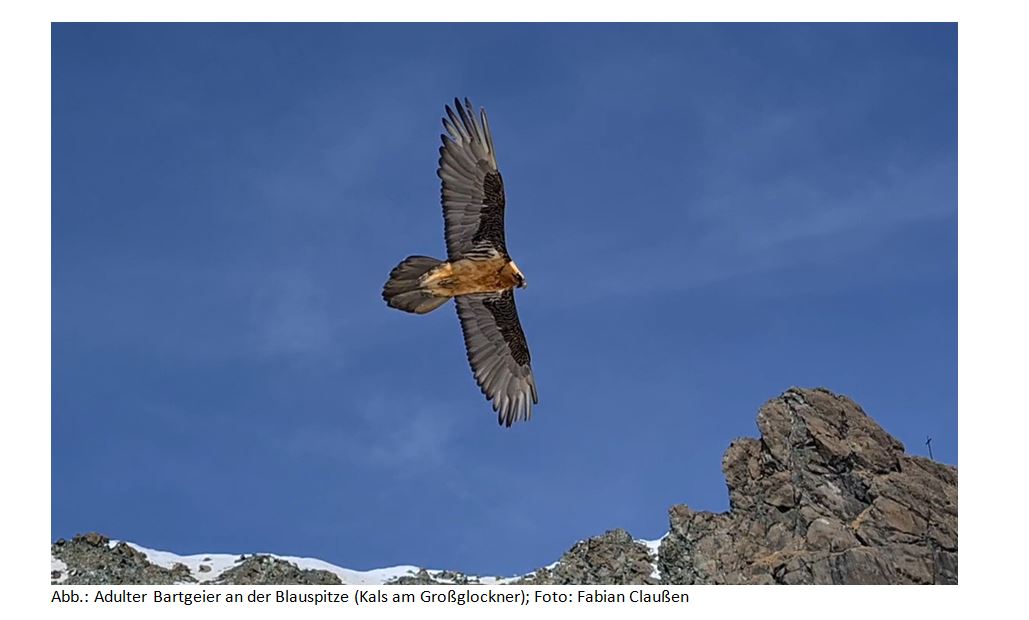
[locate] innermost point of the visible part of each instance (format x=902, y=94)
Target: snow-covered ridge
x=208, y=567
x=214, y=564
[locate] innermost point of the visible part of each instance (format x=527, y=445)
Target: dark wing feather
x=498, y=353
x=473, y=191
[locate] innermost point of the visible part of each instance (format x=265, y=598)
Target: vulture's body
x=478, y=274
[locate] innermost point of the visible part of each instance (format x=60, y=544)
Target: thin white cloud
x=382, y=435
x=761, y=228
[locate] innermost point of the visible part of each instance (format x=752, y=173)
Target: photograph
x=503, y=305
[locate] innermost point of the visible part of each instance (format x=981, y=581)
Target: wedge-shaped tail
x=403, y=290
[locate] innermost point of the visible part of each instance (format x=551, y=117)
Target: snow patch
x=217, y=563
x=57, y=565
x=653, y=546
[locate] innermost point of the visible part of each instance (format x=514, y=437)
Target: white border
x=992, y=273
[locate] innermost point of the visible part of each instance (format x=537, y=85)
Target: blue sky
x=706, y=214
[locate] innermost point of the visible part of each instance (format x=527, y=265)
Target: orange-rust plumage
x=466, y=276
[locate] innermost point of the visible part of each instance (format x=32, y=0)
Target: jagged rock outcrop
x=426, y=578
x=264, y=570
x=613, y=557
x=91, y=559
x=825, y=496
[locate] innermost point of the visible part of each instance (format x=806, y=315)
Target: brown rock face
x=825, y=496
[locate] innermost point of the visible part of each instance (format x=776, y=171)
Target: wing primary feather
x=501, y=386
x=450, y=127
x=489, y=134
x=468, y=123
x=471, y=119
x=459, y=135
x=512, y=407
x=505, y=411
x=460, y=164
x=486, y=371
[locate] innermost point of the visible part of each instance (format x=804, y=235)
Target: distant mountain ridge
x=825, y=496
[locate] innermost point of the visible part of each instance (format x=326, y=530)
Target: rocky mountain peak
x=824, y=496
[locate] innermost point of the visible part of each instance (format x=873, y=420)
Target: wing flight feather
x=472, y=190
x=498, y=353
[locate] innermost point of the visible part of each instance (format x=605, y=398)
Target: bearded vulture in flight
x=478, y=274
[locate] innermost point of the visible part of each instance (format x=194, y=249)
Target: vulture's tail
x=403, y=290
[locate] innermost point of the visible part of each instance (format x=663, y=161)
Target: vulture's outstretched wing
x=473, y=192
x=498, y=353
